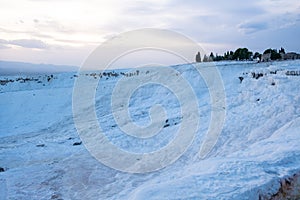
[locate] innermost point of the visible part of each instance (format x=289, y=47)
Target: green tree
x=205, y=58
x=211, y=57
x=218, y=58
x=268, y=51
x=274, y=54
x=282, y=50
x=242, y=54
x=257, y=55
x=198, y=57
x=231, y=55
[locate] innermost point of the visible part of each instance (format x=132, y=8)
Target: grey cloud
x=46, y=25
x=2, y=46
x=32, y=33
x=26, y=43
x=232, y=7
x=7, y=30
x=286, y=20
x=252, y=27
x=144, y=8
x=207, y=21
x=3, y=41
x=42, y=28
x=275, y=38
x=29, y=43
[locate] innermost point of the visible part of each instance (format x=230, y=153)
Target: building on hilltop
x=291, y=56
x=266, y=57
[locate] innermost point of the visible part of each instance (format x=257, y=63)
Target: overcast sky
x=66, y=31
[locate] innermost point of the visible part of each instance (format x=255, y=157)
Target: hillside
x=256, y=152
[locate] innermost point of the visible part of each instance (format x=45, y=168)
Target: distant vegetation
x=243, y=54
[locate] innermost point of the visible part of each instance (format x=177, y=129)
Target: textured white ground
x=258, y=146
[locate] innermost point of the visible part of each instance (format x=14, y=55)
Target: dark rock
x=77, y=143
x=56, y=196
x=241, y=79
x=257, y=75
x=166, y=125
x=2, y=169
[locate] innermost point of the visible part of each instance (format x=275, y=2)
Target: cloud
x=252, y=27
x=2, y=46
x=3, y=41
x=26, y=43
x=29, y=43
x=223, y=24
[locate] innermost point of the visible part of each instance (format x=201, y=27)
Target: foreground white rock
x=257, y=149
